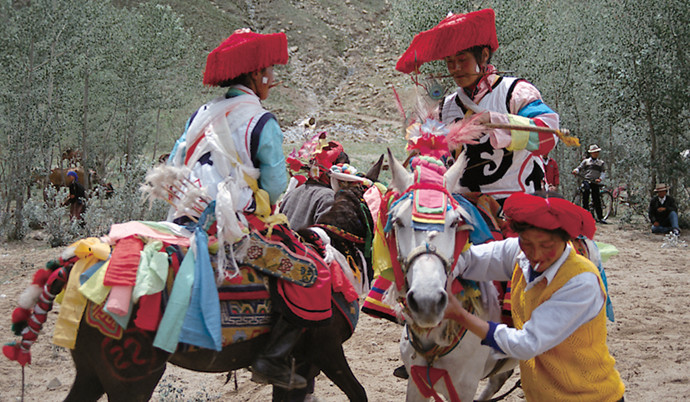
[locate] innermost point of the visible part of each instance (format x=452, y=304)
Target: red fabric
x=244, y=52
x=341, y=284
x=550, y=213
x=421, y=375
x=454, y=34
x=552, y=175
x=124, y=262
x=149, y=313
x=311, y=303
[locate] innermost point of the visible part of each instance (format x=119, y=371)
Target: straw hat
x=661, y=187
x=593, y=148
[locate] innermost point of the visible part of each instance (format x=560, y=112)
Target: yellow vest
x=578, y=369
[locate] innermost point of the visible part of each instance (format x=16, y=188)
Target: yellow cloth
x=578, y=369
x=380, y=256
x=89, y=251
x=519, y=138
x=94, y=289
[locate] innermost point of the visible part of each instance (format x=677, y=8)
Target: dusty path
x=649, y=285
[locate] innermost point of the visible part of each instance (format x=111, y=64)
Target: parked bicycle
x=606, y=196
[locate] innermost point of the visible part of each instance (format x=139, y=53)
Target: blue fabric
x=481, y=233
x=121, y=320
x=89, y=272
x=183, y=138
x=201, y=325
x=273, y=177
x=535, y=109
x=489, y=340
x=609, y=305
x=389, y=222
x=170, y=326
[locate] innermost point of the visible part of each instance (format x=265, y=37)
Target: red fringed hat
x=455, y=33
x=550, y=214
x=243, y=52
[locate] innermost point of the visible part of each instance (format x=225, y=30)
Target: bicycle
x=605, y=195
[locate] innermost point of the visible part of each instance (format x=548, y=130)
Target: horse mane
x=349, y=213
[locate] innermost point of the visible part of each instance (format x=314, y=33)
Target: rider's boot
x=271, y=366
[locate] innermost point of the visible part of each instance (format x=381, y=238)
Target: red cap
x=550, y=214
x=244, y=52
x=455, y=33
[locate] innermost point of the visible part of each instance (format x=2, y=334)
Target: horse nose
x=429, y=304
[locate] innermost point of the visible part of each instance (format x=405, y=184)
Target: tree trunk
x=85, y=118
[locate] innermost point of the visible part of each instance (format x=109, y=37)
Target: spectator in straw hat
x=663, y=212
x=592, y=170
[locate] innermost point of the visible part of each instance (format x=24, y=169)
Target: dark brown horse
x=129, y=368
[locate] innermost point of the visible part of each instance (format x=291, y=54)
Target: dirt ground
x=649, y=285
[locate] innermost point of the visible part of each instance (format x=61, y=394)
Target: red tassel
x=20, y=315
x=15, y=353
x=41, y=277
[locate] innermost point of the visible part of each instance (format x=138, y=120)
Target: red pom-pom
x=41, y=277
x=20, y=315
x=14, y=353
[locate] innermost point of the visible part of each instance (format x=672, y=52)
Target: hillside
x=341, y=65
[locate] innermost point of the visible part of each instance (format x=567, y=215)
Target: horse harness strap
x=341, y=233
x=454, y=330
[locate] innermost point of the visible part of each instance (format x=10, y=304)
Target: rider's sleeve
x=493, y=261
x=273, y=176
x=526, y=108
x=577, y=302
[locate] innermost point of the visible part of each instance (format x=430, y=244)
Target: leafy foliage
x=616, y=72
x=86, y=75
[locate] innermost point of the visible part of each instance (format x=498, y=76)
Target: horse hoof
x=401, y=372
x=288, y=382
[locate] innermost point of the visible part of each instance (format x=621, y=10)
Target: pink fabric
x=373, y=198
x=124, y=263
x=119, y=299
x=121, y=230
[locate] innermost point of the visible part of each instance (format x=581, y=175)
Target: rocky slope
x=342, y=59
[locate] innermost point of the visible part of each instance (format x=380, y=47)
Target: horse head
x=427, y=231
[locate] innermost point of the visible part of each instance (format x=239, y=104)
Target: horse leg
x=86, y=386
x=495, y=383
x=323, y=347
x=127, y=369
x=309, y=372
x=333, y=363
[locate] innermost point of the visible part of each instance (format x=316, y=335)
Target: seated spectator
x=663, y=212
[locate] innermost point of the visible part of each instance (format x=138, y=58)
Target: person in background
x=593, y=171
x=304, y=204
x=551, y=171
x=77, y=197
x=559, y=332
x=663, y=212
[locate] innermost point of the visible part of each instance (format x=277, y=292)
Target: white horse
x=441, y=357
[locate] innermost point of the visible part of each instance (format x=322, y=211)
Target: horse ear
x=375, y=170
x=453, y=175
x=401, y=178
